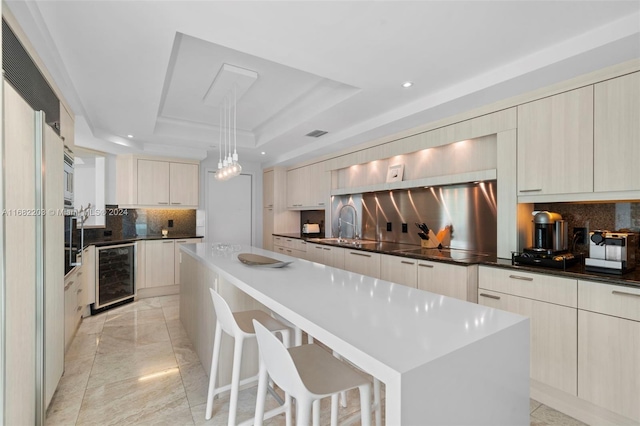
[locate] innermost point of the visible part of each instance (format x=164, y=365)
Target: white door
x=229, y=210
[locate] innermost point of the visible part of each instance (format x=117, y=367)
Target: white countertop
x=398, y=326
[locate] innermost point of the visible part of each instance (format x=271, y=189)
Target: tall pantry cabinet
x=275, y=216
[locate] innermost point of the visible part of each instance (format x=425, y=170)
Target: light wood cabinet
x=268, y=188
x=183, y=184
x=401, y=270
x=617, y=134
x=67, y=128
x=267, y=228
x=277, y=218
x=362, y=262
x=609, y=347
x=315, y=253
x=555, y=144
x=442, y=278
x=308, y=187
x=553, y=335
x=88, y=279
x=159, y=263
x=157, y=182
x=71, y=319
x=178, y=255
x=334, y=256
x=290, y=246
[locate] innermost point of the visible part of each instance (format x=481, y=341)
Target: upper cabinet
x=308, y=187
x=555, y=144
x=156, y=182
x=67, y=127
x=617, y=134
x=268, y=188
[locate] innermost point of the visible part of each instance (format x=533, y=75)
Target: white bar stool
x=307, y=373
x=238, y=325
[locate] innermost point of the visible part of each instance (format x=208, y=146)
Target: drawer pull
x=288, y=240
x=180, y=242
x=289, y=251
x=66, y=287
x=173, y=202
x=162, y=202
x=79, y=308
x=79, y=291
x=360, y=254
x=321, y=204
x=623, y=293
x=490, y=296
x=424, y=265
x=79, y=273
x=518, y=277
x=167, y=242
x=319, y=248
x=324, y=248
x=531, y=190
x=407, y=263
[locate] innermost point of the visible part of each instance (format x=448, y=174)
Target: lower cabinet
x=554, y=327
x=401, y=270
x=443, y=278
x=72, y=310
x=290, y=246
x=159, y=263
x=178, y=256
x=326, y=255
x=362, y=262
x=609, y=347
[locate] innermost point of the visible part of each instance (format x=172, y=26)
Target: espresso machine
x=550, y=235
x=611, y=252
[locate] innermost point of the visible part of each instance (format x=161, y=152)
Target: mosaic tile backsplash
x=597, y=216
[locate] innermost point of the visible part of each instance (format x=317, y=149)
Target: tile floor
x=135, y=365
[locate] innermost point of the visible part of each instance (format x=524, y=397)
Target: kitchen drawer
x=289, y=251
x=401, y=270
x=279, y=241
x=547, y=288
x=300, y=245
x=362, y=262
x=615, y=300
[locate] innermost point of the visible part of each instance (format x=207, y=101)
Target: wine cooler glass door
x=116, y=275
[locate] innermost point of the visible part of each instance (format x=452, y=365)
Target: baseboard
x=575, y=407
x=166, y=290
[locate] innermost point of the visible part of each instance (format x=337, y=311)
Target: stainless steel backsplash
x=470, y=209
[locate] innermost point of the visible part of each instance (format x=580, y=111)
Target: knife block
x=432, y=242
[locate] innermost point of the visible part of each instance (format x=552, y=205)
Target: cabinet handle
x=167, y=242
x=79, y=291
x=360, y=254
x=490, y=296
x=324, y=248
x=66, y=287
x=162, y=202
x=319, y=248
x=270, y=205
x=175, y=203
x=407, y=263
x=181, y=241
x=78, y=274
x=289, y=251
x=623, y=293
x=424, y=265
x=288, y=240
x=518, y=277
x=531, y=190
x=79, y=307
x=321, y=204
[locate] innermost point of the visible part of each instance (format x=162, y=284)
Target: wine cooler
x=115, y=281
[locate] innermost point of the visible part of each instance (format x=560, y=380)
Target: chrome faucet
x=354, y=224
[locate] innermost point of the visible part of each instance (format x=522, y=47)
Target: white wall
x=255, y=169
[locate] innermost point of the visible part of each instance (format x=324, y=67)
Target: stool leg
x=214, y=370
x=334, y=409
x=287, y=415
x=303, y=411
x=376, y=401
x=343, y=395
x=298, y=336
x=365, y=404
x=235, y=380
x=261, y=395
x=316, y=412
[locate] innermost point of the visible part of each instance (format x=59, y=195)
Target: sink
x=348, y=242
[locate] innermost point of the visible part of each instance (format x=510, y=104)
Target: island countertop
x=408, y=338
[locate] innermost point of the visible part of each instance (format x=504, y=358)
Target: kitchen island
x=443, y=360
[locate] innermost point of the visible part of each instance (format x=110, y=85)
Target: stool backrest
x=224, y=314
x=279, y=363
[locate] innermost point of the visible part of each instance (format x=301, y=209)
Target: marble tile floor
x=134, y=365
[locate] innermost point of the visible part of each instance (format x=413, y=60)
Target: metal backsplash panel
x=470, y=209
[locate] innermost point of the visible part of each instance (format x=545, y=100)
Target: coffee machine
x=611, y=252
x=550, y=235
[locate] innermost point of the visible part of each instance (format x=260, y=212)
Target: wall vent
x=25, y=77
x=316, y=133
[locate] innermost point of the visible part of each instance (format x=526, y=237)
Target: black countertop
x=113, y=241
x=467, y=257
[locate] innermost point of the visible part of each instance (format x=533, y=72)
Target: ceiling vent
x=316, y=133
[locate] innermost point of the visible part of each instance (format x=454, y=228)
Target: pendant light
x=228, y=165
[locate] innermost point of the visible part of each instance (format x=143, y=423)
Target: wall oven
x=68, y=177
x=115, y=276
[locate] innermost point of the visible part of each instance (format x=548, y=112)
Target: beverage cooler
x=115, y=280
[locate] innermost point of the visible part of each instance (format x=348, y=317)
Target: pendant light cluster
x=228, y=166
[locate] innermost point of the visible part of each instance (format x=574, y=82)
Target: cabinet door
x=298, y=188
x=554, y=359
x=159, y=263
x=399, y=270
x=318, y=186
x=315, y=253
x=442, y=278
x=555, y=144
x=609, y=362
x=333, y=256
x=268, y=188
x=67, y=128
x=362, y=262
x=183, y=184
x=267, y=228
x=178, y=255
x=153, y=182
x=617, y=134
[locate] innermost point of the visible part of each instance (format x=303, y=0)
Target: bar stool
x=240, y=326
x=307, y=373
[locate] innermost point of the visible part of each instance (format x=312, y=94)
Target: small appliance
x=68, y=178
x=549, y=234
x=611, y=252
x=310, y=228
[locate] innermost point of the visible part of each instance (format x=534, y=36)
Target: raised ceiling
x=144, y=67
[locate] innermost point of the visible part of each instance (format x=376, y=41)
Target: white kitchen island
x=443, y=360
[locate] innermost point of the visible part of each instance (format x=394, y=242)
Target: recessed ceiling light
x=129, y=136
x=407, y=84
x=263, y=153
